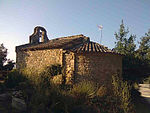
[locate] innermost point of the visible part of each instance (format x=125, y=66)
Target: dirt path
x=145, y=91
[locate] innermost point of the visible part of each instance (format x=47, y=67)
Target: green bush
x=46, y=97
x=47, y=100
x=107, y=104
x=86, y=88
x=53, y=70
x=116, y=101
x=13, y=79
x=122, y=91
x=42, y=96
x=2, y=87
x=102, y=91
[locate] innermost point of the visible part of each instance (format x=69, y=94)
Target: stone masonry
x=81, y=58
x=97, y=67
x=38, y=60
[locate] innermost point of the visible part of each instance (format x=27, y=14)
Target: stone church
x=80, y=57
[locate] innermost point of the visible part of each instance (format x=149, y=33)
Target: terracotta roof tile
x=91, y=47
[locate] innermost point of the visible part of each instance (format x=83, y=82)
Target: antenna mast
x=100, y=28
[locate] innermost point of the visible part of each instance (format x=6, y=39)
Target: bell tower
x=39, y=33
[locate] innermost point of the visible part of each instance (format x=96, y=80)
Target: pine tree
x=144, y=49
x=3, y=54
x=124, y=45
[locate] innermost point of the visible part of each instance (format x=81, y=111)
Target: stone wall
x=39, y=59
x=69, y=64
x=97, y=67
x=89, y=66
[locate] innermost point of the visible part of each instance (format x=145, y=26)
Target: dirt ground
x=142, y=104
x=145, y=91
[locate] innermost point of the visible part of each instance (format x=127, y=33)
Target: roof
x=91, y=47
x=76, y=43
x=63, y=42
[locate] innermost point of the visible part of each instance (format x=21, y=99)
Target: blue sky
x=71, y=17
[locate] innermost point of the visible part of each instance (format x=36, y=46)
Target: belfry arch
x=39, y=32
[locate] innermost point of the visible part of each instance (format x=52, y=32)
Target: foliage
x=143, y=54
x=46, y=97
x=39, y=93
x=52, y=70
x=85, y=87
x=9, y=66
x=102, y=91
x=83, y=91
x=14, y=78
x=107, y=104
x=3, y=54
x=122, y=92
x=124, y=45
x=42, y=96
x=2, y=87
x=144, y=49
x=136, y=65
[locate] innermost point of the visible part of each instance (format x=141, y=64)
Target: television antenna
x=100, y=27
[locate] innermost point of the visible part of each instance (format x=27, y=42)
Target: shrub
x=42, y=96
x=83, y=91
x=13, y=79
x=40, y=93
x=135, y=94
x=102, y=91
x=84, y=87
x=122, y=92
x=53, y=70
x=107, y=104
x=47, y=97
x=2, y=87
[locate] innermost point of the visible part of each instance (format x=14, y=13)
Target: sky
x=71, y=17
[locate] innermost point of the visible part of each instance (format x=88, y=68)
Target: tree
x=124, y=45
x=143, y=56
x=136, y=63
x=3, y=54
x=130, y=45
x=144, y=49
x=9, y=66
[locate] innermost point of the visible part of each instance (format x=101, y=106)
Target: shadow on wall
x=21, y=60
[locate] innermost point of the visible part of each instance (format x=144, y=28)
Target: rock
x=5, y=97
x=17, y=94
x=18, y=101
x=19, y=104
x=5, y=103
